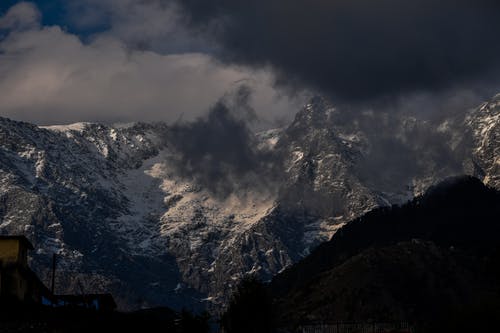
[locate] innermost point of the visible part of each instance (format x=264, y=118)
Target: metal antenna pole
x=53, y=273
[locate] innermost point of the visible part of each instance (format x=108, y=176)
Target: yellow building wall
x=15, y=285
x=9, y=250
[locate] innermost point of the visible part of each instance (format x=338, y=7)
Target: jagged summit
x=314, y=114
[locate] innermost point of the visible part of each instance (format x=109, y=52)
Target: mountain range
x=157, y=218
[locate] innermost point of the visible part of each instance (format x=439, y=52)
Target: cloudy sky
x=116, y=61
x=128, y=60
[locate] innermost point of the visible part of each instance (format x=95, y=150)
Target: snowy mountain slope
x=112, y=202
x=106, y=197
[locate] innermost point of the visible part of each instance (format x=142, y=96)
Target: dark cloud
x=221, y=153
x=358, y=49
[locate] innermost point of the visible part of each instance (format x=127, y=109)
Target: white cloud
x=50, y=76
x=23, y=15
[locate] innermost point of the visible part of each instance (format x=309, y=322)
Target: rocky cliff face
x=122, y=218
x=484, y=126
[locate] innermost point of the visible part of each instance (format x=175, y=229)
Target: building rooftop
x=20, y=238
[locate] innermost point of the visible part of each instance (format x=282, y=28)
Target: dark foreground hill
x=434, y=262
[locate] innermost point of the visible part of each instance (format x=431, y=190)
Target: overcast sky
x=128, y=60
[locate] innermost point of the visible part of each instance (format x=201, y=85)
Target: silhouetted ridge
x=455, y=189
x=460, y=212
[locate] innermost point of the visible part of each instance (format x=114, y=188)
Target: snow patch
x=78, y=127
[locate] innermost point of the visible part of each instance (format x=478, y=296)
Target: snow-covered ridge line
x=70, y=127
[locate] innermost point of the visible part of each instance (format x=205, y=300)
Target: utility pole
x=53, y=273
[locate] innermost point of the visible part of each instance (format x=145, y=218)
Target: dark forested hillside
x=459, y=212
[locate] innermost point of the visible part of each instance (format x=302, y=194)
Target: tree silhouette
x=193, y=323
x=250, y=310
